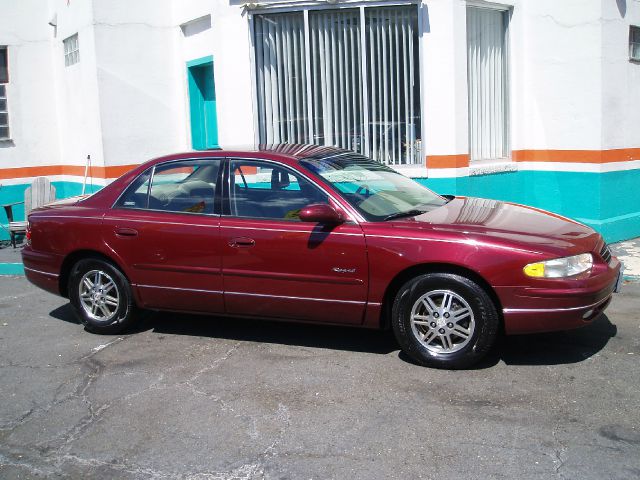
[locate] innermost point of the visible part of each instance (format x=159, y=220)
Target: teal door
x=202, y=104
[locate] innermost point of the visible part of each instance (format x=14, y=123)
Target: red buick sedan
x=318, y=234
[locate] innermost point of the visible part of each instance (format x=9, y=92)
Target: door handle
x=242, y=242
x=126, y=232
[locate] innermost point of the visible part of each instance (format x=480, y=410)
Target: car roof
x=282, y=151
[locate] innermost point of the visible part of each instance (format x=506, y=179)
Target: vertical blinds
x=336, y=82
x=281, y=78
x=394, y=99
x=345, y=77
x=487, y=69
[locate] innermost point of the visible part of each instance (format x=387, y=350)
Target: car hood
x=509, y=222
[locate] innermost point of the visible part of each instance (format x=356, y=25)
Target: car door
x=275, y=265
x=166, y=231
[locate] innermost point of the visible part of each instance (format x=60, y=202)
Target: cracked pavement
x=190, y=397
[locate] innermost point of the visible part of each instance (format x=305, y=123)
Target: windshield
x=375, y=190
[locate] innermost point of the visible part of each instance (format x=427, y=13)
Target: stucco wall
x=33, y=116
x=573, y=92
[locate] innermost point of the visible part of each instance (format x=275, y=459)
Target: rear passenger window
x=182, y=187
x=263, y=190
x=136, y=195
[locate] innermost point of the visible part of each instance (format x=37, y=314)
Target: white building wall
x=557, y=81
x=233, y=70
x=76, y=86
x=228, y=41
x=140, y=99
x=444, y=78
x=620, y=108
x=572, y=85
x=32, y=110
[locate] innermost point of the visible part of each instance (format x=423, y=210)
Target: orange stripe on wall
x=577, y=156
x=433, y=161
x=75, y=170
x=448, y=161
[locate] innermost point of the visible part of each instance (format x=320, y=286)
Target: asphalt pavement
x=201, y=398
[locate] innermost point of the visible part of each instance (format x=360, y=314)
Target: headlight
x=560, y=267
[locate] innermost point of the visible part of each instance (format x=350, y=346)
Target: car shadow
x=269, y=331
x=552, y=348
x=555, y=348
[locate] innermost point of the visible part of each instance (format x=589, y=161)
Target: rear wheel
x=444, y=320
x=101, y=296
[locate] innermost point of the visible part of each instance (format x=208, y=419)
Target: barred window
x=4, y=79
x=634, y=43
x=347, y=77
x=71, y=50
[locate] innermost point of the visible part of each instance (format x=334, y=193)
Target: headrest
x=279, y=179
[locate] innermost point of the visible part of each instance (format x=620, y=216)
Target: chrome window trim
x=253, y=227
x=163, y=222
x=153, y=169
x=344, y=204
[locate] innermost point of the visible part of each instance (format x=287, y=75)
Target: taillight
x=28, y=234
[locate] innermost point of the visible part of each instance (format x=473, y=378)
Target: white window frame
x=507, y=10
x=4, y=96
x=331, y=5
x=634, y=33
x=71, y=46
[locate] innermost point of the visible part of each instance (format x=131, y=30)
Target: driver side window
x=264, y=190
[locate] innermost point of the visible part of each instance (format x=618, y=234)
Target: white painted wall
x=620, y=77
x=140, y=106
x=557, y=67
x=572, y=85
x=444, y=78
x=32, y=112
x=228, y=42
x=76, y=86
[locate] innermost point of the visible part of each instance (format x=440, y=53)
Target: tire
x=444, y=320
x=107, y=310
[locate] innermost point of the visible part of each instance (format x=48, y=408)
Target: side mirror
x=321, y=213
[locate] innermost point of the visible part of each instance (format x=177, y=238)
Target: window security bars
x=345, y=77
x=4, y=79
x=634, y=43
x=71, y=50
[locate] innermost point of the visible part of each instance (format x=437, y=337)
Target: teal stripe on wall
x=11, y=269
x=15, y=193
x=608, y=202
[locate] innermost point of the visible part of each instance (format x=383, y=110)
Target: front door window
x=266, y=191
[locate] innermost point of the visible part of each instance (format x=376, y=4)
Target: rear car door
x=273, y=264
x=166, y=230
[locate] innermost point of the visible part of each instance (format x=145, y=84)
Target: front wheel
x=444, y=320
x=101, y=296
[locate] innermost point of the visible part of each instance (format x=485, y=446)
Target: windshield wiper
x=408, y=213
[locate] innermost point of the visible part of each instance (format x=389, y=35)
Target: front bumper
x=559, y=304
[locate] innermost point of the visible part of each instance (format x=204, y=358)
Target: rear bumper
x=568, y=304
x=42, y=269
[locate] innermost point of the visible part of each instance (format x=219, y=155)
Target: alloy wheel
x=99, y=295
x=442, y=321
